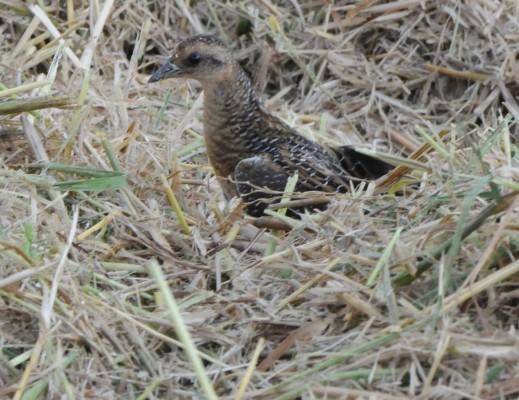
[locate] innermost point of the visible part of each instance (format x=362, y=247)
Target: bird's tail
x=361, y=165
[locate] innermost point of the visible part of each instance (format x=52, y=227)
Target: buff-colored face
x=200, y=57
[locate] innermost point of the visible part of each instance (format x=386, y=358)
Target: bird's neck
x=230, y=98
x=231, y=118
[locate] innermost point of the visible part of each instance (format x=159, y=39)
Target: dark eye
x=194, y=58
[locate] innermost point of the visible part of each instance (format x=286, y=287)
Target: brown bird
x=251, y=151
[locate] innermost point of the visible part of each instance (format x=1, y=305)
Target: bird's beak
x=168, y=70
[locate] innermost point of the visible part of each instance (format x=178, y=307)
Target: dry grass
x=380, y=296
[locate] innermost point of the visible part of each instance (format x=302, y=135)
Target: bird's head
x=201, y=57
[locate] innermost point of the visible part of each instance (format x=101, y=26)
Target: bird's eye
x=194, y=58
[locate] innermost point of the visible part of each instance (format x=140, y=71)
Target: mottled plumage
x=248, y=147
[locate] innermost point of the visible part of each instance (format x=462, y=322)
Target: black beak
x=168, y=70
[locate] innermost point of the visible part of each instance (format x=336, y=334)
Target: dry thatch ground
x=380, y=296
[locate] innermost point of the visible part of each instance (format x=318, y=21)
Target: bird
x=253, y=152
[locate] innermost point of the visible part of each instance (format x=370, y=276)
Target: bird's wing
x=317, y=167
x=260, y=182
x=320, y=167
